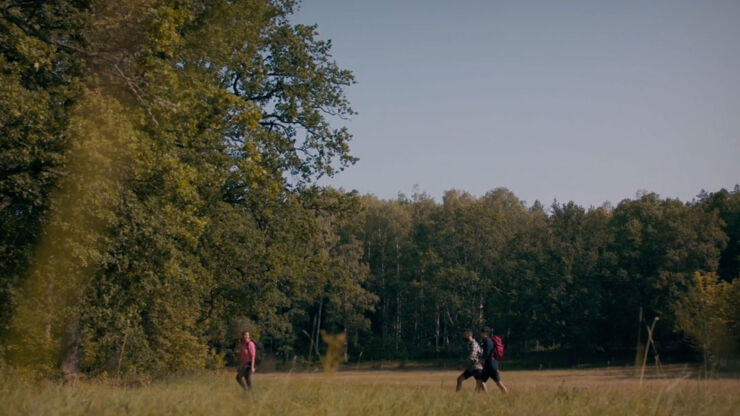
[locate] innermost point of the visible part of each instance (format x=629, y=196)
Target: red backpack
x=498, y=348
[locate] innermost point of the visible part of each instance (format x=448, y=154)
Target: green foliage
x=158, y=161
x=658, y=245
x=726, y=204
x=215, y=359
x=36, y=90
x=707, y=315
x=570, y=279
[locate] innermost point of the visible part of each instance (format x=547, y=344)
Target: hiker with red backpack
x=493, y=351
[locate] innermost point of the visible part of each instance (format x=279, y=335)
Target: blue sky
x=588, y=101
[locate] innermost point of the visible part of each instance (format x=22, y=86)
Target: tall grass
x=593, y=392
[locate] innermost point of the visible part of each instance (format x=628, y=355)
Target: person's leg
x=477, y=374
x=480, y=381
x=496, y=376
x=481, y=387
x=460, y=380
x=248, y=376
x=501, y=386
x=240, y=376
x=464, y=376
x=485, y=374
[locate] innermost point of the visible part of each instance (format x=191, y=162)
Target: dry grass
x=558, y=392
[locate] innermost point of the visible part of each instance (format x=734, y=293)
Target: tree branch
x=5, y=203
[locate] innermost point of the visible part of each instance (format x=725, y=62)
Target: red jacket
x=247, y=351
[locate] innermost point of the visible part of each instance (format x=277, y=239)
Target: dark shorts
x=471, y=373
x=490, y=370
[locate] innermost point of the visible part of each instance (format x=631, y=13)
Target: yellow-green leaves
x=706, y=316
x=72, y=246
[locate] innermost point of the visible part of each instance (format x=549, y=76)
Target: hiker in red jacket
x=248, y=353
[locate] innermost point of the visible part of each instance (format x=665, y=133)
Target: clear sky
x=580, y=100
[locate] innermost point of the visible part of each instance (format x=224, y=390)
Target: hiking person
x=490, y=361
x=473, y=362
x=247, y=353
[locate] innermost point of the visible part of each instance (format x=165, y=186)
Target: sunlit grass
x=577, y=392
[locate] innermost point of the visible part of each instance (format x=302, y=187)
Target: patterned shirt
x=474, y=356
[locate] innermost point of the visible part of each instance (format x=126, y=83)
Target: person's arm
x=253, y=353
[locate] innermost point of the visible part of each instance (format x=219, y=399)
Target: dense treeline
x=158, y=170
x=559, y=278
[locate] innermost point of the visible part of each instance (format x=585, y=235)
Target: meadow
x=615, y=391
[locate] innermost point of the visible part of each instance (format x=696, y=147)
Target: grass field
x=613, y=391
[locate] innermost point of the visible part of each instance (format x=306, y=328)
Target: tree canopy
x=158, y=168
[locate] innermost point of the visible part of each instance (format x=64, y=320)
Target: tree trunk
x=71, y=350
x=398, y=294
x=384, y=306
x=481, y=319
x=422, y=330
x=398, y=320
x=436, y=333
x=444, y=329
x=318, y=328
x=312, y=337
